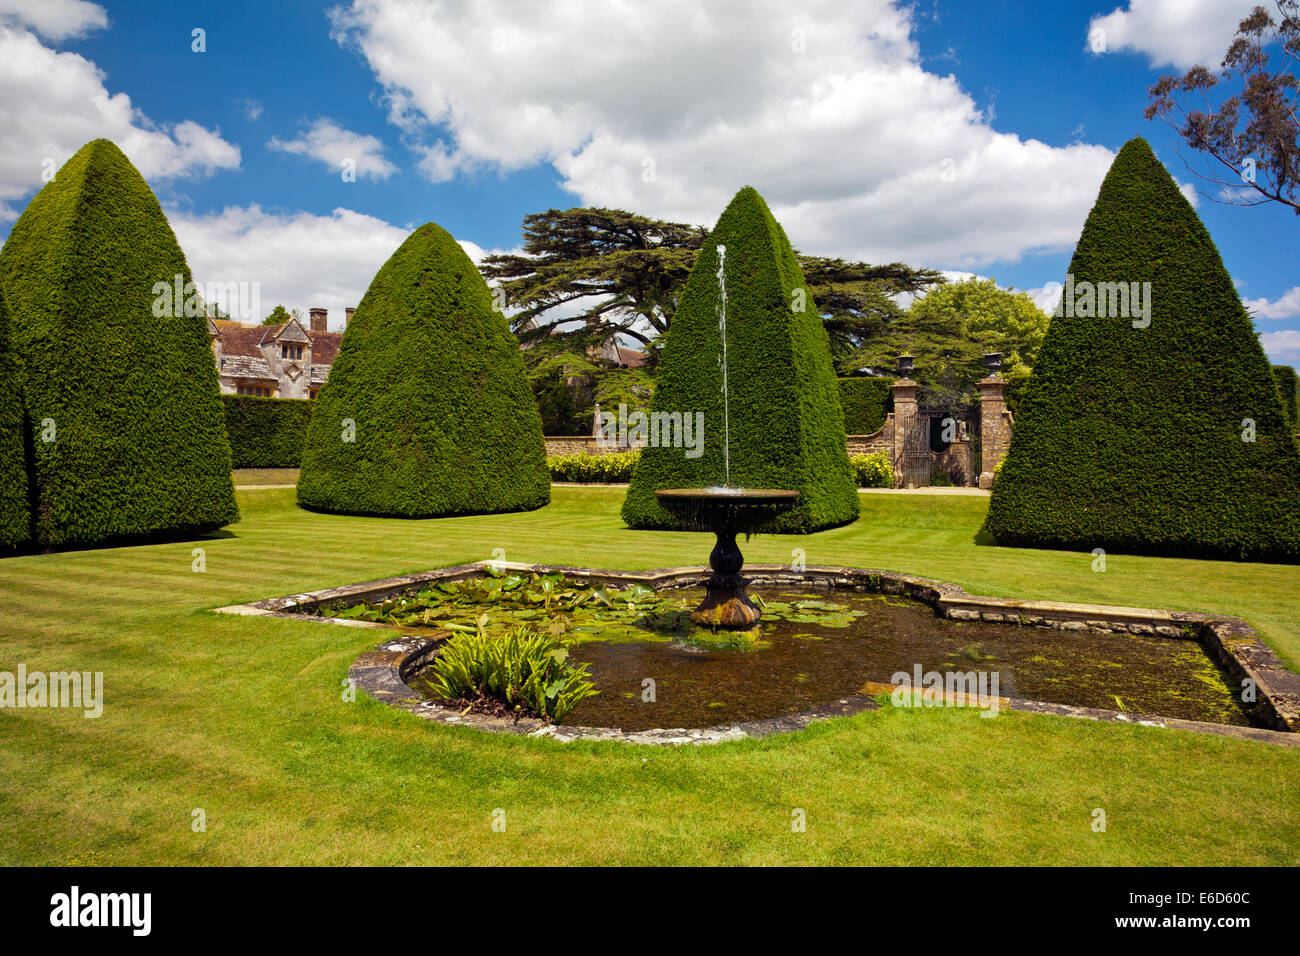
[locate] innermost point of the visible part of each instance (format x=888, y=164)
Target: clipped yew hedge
x=15, y=515
x=266, y=432
x=426, y=411
x=866, y=401
x=1131, y=439
x=786, y=423
x=1288, y=387
x=125, y=422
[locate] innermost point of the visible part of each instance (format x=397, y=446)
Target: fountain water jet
x=726, y=398
x=726, y=511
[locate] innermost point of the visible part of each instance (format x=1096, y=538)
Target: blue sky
x=473, y=115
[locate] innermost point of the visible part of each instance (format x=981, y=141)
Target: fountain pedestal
x=727, y=605
x=727, y=512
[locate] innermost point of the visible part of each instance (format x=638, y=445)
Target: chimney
x=318, y=317
x=347, y=317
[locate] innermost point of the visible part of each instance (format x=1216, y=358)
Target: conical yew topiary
x=427, y=410
x=784, y=421
x=15, y=516
x=124, y=416
x=1154, y=428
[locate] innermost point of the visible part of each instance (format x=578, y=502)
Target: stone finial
x=906, y=363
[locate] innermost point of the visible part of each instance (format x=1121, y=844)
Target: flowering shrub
x=873, y=471
x=593, y=469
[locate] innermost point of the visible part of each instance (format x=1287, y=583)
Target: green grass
x=244, y=718
x=265, y=476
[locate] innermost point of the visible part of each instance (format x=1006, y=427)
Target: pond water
x=815, y=648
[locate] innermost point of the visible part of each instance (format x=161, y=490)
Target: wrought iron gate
x=916, y=450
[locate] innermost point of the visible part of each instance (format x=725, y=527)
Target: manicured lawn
x=244, y=718
x=265, y=476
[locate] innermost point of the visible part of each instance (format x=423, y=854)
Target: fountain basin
x=727, y=512
x=383, y=673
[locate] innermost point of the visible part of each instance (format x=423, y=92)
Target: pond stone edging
x=382, y=672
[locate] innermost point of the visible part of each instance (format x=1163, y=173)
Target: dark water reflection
x=801, y=665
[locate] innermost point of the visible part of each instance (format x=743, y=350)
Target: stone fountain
x=726, y=511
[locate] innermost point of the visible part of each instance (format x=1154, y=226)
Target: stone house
x=275, y=361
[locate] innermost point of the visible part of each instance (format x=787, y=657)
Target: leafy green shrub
x=1288, y=387
x=1132, y=438
x=528, y=671
x=558, y=403
x=15, y=515
x=873, y=470
x=126, y=427
x=266, y=432
x=593, y=469
x=786, y=424
x=426, y=411
x=866, y=402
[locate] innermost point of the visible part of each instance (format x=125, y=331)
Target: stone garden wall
x=959, y=458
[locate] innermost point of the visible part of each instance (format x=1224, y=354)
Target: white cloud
x=1286, y=306
x=1047, y=297
x=332, y=145
x=1283, y=347
x=252, y=109
x=299, y=260
x=54, y=19
x=1178, y=33
x=477, y=253
x=55, y=103
x=668, y=108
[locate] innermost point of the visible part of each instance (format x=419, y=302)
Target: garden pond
x=653, y=668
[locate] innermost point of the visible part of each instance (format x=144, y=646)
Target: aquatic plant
x=576, y=609
x=527, y=670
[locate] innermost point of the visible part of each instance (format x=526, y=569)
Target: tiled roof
x=631, y=358
x=244, y=366
x=240, y=339
x=289, y=331
x=325, y=347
